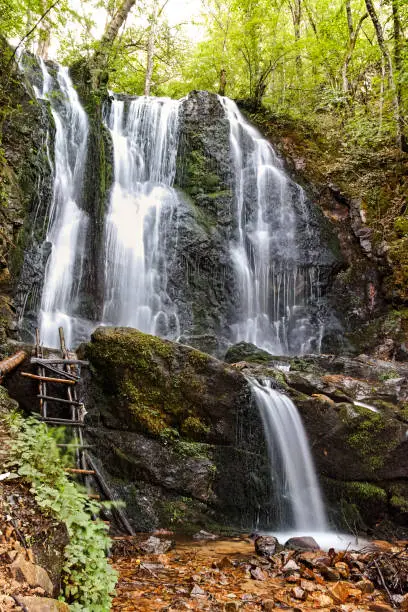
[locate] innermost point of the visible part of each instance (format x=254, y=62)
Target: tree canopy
x=297, y=57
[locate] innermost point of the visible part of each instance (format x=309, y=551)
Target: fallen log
x=8, y=364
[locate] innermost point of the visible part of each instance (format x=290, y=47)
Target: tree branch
x=32, y=30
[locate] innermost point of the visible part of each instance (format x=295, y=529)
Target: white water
x=288, y=447
x=273, y=289
x=67, y=222
x=145, y=139
x=325, y=539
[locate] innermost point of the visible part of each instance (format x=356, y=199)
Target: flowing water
x=290, y=459
x=145, y=140
x=274, y=288
x=68, y=223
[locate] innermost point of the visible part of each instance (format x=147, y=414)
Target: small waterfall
x=274, y=287
x=291, y=458
x=145, y=141
x=67, y=224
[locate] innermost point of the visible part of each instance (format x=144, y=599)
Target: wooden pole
x=48, y=379
x=78, y=471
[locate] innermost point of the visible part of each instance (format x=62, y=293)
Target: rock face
x=175, y=432
x=25, y=194
x=177, y=435
x=202, y=280
x=355, y=414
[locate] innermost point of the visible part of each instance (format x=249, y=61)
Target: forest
x=300, y=58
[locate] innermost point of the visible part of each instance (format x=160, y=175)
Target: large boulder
x=175, y=433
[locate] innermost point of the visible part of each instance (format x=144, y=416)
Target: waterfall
x=145, y=140
x=67, y=224
x=290, y=458
x=274, y=288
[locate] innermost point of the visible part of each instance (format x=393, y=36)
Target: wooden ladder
x=69, y=411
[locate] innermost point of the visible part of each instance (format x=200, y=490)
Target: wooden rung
x=44, y=361
x=60, y=400
x=78, y=471
x=49, y=378
x=61, y=422
x=56, y=370
x=94, y=496
x=77, y=445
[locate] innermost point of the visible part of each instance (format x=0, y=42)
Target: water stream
x=291, y=460
x=274, y=288
x=68, y=223
x=145, y=140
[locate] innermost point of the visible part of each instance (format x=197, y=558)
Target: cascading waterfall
x=67, y=222
x=273, y=287
x=288, y=448
x=145, y=140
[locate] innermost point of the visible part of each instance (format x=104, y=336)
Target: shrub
x=88, y=579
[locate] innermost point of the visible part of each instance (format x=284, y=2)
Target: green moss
x=226, y=193
x=401, y=226
x=390, y=375
x=143, y=373
x=193, y=427
x=371, y=435
x=356, y=504
x=195, y=450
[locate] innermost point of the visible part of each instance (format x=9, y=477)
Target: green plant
x=88, y=579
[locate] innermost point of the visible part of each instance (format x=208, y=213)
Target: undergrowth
x=88, y=580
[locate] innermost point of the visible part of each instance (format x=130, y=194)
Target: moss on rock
x=159, y=386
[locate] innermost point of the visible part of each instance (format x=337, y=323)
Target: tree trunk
x=353, y=35
x=388, y=61
x=398, y=69
x=151, y=46
x=223, y=82
x=101, y=55
x=296, y=10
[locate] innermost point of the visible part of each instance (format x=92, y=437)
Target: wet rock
x=156, y=546
x=163, y=419
x=380, y=607
x=258, y=574
x=204, y=535
x=299, y=593
x=386, y=350
x=197, y=591
x=245, y=351
x=404, y=603
x=266, y=546
x=302, y=543
x=43, y=604
x=34, y=575
x=231, y=606
x=290, y=566
x=343, y=569
x=329, y=573
x=365, y=586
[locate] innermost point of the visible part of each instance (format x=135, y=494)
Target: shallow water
x=325, y=539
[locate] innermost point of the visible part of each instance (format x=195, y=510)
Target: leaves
x=88, y=579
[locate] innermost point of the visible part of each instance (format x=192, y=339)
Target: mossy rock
x=354, y=506
x=401, y=226
x=155, y=386
x=246, y=351
x=373, y=436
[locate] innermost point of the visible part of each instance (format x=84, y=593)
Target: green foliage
x=88, y=579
